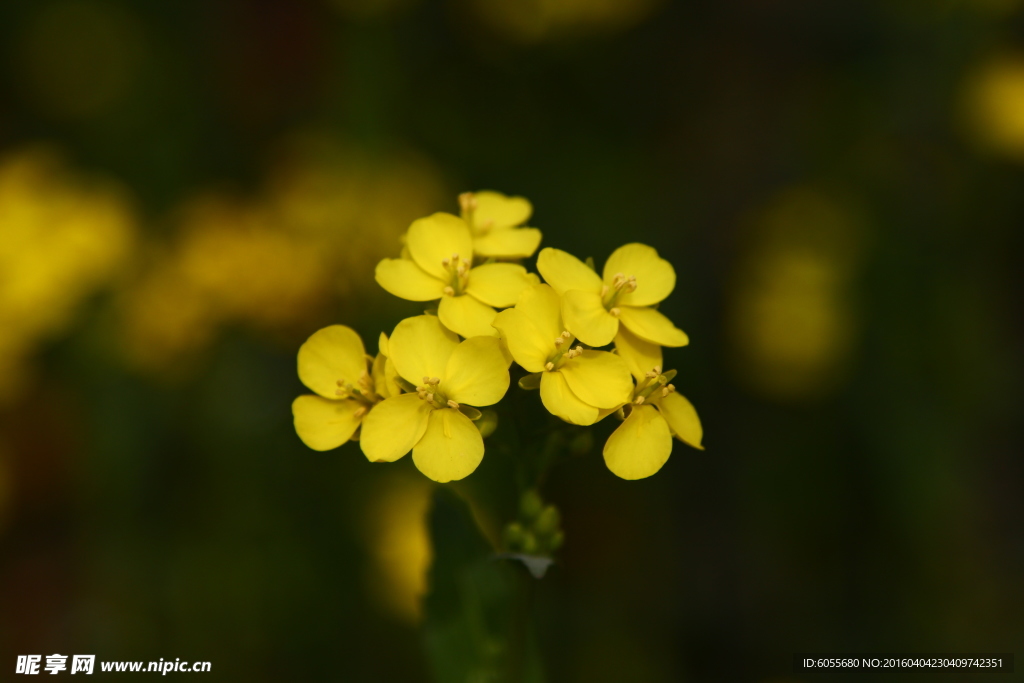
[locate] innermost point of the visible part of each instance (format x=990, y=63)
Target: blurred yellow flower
x=635, y=278
x=61, y=238
x=996, y=105
x=354, y=205
x=578, y=385
x=230, y=263
x=440, y=267
x=792, y=319
x=643, y=442
x=399, y=543
x=493, y=218
x=348, y=384
x=450, y=377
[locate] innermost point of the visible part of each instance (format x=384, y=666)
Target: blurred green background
x=189, y=189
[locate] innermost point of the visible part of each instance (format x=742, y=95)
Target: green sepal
x=470, y=412
x=530, y=382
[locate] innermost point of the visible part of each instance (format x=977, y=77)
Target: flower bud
x=548, y=522
x=530, y=505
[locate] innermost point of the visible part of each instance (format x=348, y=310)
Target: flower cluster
x=423, y=390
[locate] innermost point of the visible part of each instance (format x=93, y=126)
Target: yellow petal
x=384, y=375
x=586, y=317
x=655, y=277
x=599, y=378
x=451, y=448
x=509, y=243
x=406, y=280
x=437, y=237
x=558, y=398
x=641, y=356
x=498, y=284
x=542, y=305
x=477, y=373
x=682, y=418
x=466, y=316
x=640, y=445
x=528, y=346
x=563, y=272
x=420, y=347
x=495, y=210
x=382, y=344
x=652, y=326
x=393, y=427
x=331, y=354
x=322, y=424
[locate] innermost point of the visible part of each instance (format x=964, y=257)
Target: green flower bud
x=530, y=505
x=557, y=539
x=548, y=522
x=529, y=544
x=513, y=535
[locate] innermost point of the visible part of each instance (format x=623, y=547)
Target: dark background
x=838, y=185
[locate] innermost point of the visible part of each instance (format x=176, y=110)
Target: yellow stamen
x=639, y=400
x=615, y=312
x=449, y=291
x=453, y=404
x=360, y=412
x=549, y=366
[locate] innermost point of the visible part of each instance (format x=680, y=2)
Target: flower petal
x=331, y=354
x=558, y=398
x=466, y=316
x=528, y=346
x=508, y=243
x=393, y=427
x=437, y=237
x=640, y=445
x=563, y=271
x=641, y=356
x=323, y=424
x=477, y=373
x=542, y=305
x=498, y=284
x=495, y=210
x=586, y=317
x=407, y=281
x=420, y=347
x=599, y=378
x=451, y=448
x=652, y=326
x=384, y=376
x=655, y=277
x=682, y=418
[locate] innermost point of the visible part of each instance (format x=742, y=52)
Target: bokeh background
x=188, y=189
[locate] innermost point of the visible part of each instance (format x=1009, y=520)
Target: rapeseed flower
x=435, y=422
x=493, y=218
x=643, y=442
x=635, y=278
x=578, y=385
x=347, y=382
x=440, y=266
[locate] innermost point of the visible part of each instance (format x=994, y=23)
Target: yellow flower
x=450, y=377
x=635, y=277
x=440, y=267
x=492, y=217
x=333, y=363
x=580, y=386
x=642, y=443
